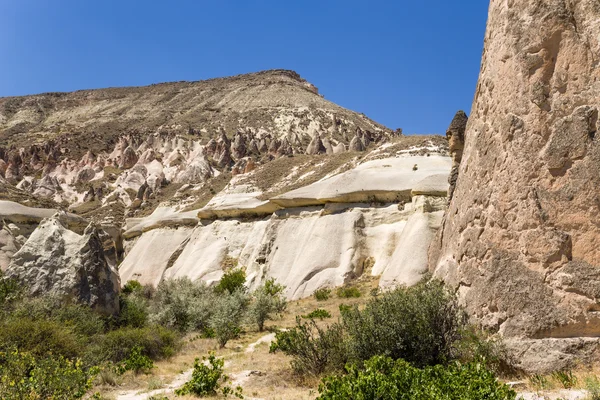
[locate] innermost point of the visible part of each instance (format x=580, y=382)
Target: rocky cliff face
x=520, y=239
x=55, y=260
x=186, y=178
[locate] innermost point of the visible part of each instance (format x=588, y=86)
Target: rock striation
x=378, y=217
x=55, y=260
x=520, y=239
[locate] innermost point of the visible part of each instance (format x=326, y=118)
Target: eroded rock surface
x=55, y=260
x=520, y=239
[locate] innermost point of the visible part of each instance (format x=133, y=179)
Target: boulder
x=60, y=262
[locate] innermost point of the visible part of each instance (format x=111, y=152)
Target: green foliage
x=322, y=294
x=319, y=313
x=477, y=346
x=134, y=309
x=566, y=378
x=136, y=362
x=267, y=301
x=132, y=287
x=81, y=318
x=154, y=342
x=227, y=317
x=539, y=382
x=39, y=337
x=182, y=304
x=420, y=324
x=348, y=292
x=592, y=385
x=207, y=380
x=23, y=376
x=10, y=290
x=383, y=378
x=314, y=349
x=232, y=281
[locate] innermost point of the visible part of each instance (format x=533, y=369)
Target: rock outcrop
x=456, y=143
x=378, y=217
x=55, y=260
x=520, y=239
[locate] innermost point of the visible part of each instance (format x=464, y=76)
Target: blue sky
x=409, y=64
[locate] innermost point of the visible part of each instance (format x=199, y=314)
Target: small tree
x=233, y=280
x=267, y=301
x=227, y=317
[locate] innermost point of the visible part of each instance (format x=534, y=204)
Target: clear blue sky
x=408, y=64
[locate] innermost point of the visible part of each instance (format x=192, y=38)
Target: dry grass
x=271, y=374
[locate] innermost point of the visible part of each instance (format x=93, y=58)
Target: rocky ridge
x=134, y=147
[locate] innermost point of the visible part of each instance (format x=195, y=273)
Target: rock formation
x=520, y=239
x=55, y=260
x=456, y=144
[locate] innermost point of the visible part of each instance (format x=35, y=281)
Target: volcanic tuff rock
x=93, y=149
x=60, y=262
x=520, y=239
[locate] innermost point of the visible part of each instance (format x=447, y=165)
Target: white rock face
x=387, y=180
x=58, y=261
x=321, y=235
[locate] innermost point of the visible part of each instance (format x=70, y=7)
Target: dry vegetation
x=261, y=374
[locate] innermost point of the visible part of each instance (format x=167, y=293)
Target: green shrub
x=154, y=342
x=23, y=376
x=182, y=304
x=10, y=290
x=208, y=379
x=476, y=346
x=348, y=292
x=314, y=350
x=81, y=318
x=39, y=337
x=132, y=287
x=227, y=317
x=420, y=324
x=136, y=362
x=383, y=378
x=566, y=378
x=266, y=301
x=134, y=310
x=592, y=385
x=232, y=281
x=322, y=294
x=319, y=313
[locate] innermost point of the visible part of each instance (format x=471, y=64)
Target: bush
x=182, y=304
x=207, y=379
x=39, y=337
x=314, y=349
x=10, y=290
x=420, y=324
x=348, y=292
x=322, y=294
x=154, y=342
x=134, y=310
x=382, y=377
x=81, y=318
x=592, y=385
x=319, y=313
x=23, y=376
x=267, y=300
x=136, y=362
x=226, y=320
x=232, y=281
x=477, y=346
x=132, y=287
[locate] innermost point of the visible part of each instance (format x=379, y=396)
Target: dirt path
x=236, y=379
